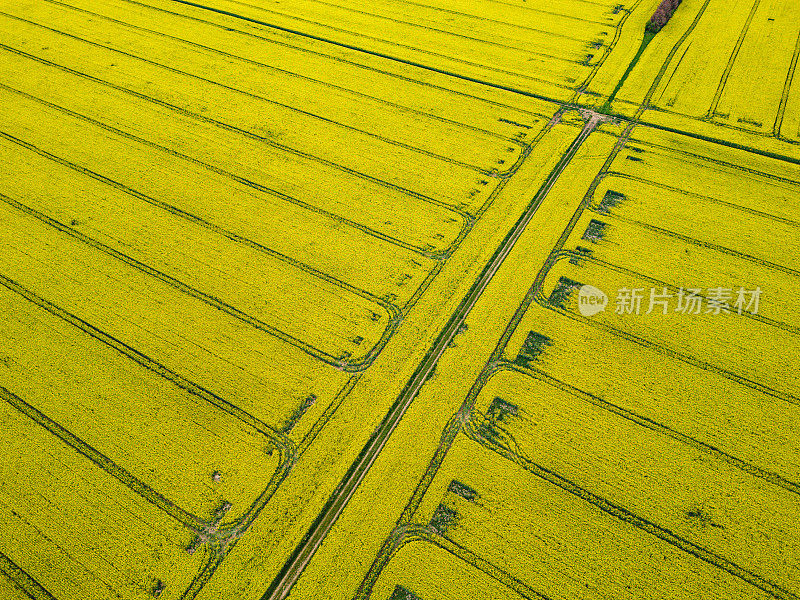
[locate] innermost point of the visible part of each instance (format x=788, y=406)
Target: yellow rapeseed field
x=401, y=300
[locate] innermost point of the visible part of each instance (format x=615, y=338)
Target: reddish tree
x=662, y=15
